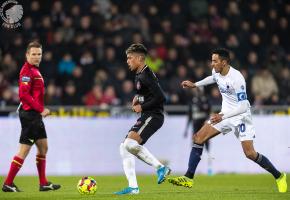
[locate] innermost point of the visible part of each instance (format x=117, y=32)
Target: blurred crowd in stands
x=84, y=43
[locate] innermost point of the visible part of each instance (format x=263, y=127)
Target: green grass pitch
x=217, y=187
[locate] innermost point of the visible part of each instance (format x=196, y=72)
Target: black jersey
x=150, y=94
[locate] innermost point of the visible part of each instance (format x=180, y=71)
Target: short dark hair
x=223, y=53
x=137, y=48
x=33, y=44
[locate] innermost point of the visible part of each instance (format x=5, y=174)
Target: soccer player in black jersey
x=148, y=101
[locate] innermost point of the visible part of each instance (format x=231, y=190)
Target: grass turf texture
x=217, y=187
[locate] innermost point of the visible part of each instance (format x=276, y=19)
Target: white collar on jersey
x=143, y=69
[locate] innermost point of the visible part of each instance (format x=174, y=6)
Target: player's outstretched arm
x=206, y=81
x=188, y=84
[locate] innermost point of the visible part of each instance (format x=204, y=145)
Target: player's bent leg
x=204, y=134
x=132, y=146
x=134, y=136
x=141, y=152
x=249, y=151
x=265, y=163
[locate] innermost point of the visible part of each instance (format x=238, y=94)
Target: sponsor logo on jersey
x=226, y=90
x=140, y=99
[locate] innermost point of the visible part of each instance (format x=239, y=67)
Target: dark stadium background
x=86, y=77
x=84, y=43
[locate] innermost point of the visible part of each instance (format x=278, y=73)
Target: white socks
x=141, y=152
x=128, y=166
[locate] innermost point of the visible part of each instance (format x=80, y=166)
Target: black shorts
x=32, y=127
x=147, y=125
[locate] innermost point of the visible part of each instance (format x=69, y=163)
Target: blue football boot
x=128, y=190
x=162, y=172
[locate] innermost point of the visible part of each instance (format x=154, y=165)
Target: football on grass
x=87, y=185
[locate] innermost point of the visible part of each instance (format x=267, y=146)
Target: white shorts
x=240, y=125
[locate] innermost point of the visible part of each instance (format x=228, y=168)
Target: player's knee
x=22, y=155
x=23, y=151
x=132, y=146
x=197, y=139
x=43, y=150
x=251, y=155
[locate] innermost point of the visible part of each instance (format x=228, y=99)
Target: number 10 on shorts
x=242, y=127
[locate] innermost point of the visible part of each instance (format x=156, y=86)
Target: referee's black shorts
x=147, y=125
x=32, y=127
